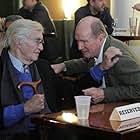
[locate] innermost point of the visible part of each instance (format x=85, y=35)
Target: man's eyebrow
x=38, y=38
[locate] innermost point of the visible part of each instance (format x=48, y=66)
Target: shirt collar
x=100, y=57
x=16, y=62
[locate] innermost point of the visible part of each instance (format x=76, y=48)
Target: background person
x=10, y=19
x=7, y=21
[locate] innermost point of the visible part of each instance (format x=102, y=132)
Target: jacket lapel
x=9, y=82
x=106, y=46
x=15, y=80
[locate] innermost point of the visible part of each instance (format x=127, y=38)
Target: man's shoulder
x=116, y=41
x=83, y=10
x=42, y=62
x=25, y=13
x=45, y=68
x=39, y=7
x=113, y=42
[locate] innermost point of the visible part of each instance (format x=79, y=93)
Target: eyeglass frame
x=37, y=41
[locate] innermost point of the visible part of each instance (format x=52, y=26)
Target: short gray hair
x=21, y=29
x=98, y=28
x=12, y=18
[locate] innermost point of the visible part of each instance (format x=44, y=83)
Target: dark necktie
x=26, y=69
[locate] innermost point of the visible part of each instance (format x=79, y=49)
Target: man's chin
x=102, y=9
x=86, y=55
x=35, y=58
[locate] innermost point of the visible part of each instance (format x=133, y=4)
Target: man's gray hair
x=98, y=28
x=12, y=18
x=21, y=29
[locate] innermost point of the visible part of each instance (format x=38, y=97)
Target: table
x=126, y=38
x=98, y=125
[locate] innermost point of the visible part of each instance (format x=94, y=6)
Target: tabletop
x=125, y=38
x=98, y=123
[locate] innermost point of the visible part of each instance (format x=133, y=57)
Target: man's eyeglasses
x=37, y=41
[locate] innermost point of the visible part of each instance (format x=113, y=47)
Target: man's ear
x=101, y=37
x=17, y=42
x=91, y=2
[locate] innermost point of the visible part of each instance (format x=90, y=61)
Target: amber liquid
x=133, y=12
x=133, y=24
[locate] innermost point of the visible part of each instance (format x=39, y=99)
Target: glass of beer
x=133, y=25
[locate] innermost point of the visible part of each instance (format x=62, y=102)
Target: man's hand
x=97, y=94
x=137, y=6
x=111, y=57
x=58, y=67
x=35, y=104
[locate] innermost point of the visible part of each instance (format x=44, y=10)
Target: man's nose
x=40, y=47
x=80, y=45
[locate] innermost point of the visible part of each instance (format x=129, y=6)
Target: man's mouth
x=83, y=51
x=36, y=53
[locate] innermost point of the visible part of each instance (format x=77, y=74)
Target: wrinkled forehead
x=36, y=34
x=84, y=25
x=82, y=32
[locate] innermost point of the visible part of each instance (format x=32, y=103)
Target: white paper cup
x=82, y=106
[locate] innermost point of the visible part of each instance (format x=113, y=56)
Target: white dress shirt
x=99, y=60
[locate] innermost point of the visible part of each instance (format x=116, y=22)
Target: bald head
x=92, y=24
x=90, y=34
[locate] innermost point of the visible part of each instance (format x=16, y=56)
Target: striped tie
x=26, y=69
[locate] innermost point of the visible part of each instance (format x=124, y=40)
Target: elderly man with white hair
x=19, y=100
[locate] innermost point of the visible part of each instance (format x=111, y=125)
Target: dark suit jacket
x=123, y=79
x=49, y=80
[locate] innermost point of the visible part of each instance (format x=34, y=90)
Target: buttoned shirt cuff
x=96, y=73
